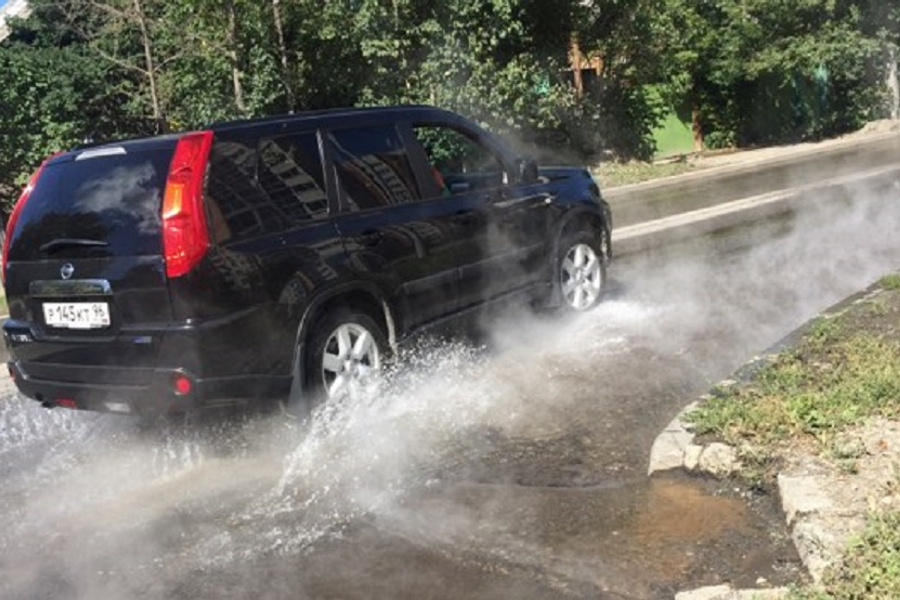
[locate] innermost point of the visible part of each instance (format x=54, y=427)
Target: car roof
x=336, y=114
x=351, y=115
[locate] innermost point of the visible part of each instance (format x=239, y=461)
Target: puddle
x=643, y=539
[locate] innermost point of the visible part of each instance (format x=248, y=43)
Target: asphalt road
x=508, y=467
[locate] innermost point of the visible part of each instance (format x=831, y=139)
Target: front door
x=504, y=225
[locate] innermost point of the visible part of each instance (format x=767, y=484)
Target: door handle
x=370, y=238
x=464, y=217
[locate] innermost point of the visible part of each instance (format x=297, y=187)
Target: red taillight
x=66, y=403
x=14, y=215
x=185, y=235
x=182, y=384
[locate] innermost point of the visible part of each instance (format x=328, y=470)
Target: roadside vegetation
x=612, y=174
x=843, y=371
x=572, y=80
x=870, y=569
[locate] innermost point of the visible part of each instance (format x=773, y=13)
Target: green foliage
x=744, y=71
x=764, y=71
x=54, y=95
x=611, y=174
x=891, y=281
x=834, y=379
x=870, y=568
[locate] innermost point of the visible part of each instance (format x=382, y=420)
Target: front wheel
x=346, y=356
x=581, y=272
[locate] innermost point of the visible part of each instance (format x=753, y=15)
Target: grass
x=834, y=379
x=891, y=281
x=4, y=309
x=673, y=137
x=612, y=174
x=845, y=370
x=870, y=569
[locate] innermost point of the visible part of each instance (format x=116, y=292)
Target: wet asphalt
x=505, y=465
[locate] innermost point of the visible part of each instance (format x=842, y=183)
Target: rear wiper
x=59, y=243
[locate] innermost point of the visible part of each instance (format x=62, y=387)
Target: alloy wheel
x=581, y=277
x=351, y=361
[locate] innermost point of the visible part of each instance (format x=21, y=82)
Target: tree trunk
x=697, y=128
x=236, y=74
x=891, y=80
x=575, y=51
x=285, y=63
x=161, y=125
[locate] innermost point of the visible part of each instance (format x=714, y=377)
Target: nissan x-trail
x=279, y=258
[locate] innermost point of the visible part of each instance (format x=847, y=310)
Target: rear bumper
x=158, y=396
x=227, y=361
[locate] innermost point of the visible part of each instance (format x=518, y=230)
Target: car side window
x=290, y=174
x=233, y=201
x=266, y=187
x=458, y=162
x=373, y=168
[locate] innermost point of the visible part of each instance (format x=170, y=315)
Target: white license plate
x=76, y=315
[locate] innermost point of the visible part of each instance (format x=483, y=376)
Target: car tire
x=346, y=353
x=580, y=272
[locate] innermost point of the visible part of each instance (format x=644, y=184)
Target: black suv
x=281, y=257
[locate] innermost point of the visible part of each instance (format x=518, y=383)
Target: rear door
x=85, y=265
x=396, y=229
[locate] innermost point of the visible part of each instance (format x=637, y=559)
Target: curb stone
x=821, y=509
x=726, y=592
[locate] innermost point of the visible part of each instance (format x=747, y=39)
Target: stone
x=820, y=540
x=692, y=457
x=668, y=449
x=719, y=459
x=726, y=592
x=802, y=495
x=714, y=592
x=766, y=594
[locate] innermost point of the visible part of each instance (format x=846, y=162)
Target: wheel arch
x=365, y=297
x=581, y=220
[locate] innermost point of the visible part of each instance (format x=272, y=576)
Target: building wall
x=13, y=8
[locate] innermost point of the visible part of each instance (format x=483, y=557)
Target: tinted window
x=112, y=198
x=290, y=173
x=254, y=190
x=459, y=163
x=237, y=208
x=373, y=168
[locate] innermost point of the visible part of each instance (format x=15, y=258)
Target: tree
x=125, y=34
x=54, y=95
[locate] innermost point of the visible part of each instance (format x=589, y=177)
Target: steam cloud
x=96, y=506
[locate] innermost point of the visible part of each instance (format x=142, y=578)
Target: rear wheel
x=346, y=356
x=581, y=272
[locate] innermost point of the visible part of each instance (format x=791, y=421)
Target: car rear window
x=113, y=198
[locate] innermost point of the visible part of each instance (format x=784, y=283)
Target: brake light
x=14, y=215
x=185, y=234
x=182, y=384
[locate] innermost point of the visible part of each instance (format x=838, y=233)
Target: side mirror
x=526, y=170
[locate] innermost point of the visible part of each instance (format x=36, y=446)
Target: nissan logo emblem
x=67, y=271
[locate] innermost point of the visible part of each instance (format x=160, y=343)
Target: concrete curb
x=787, y=156
x=726, y=592
x=819, y=528
x=705, y=188
x=685, y=226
